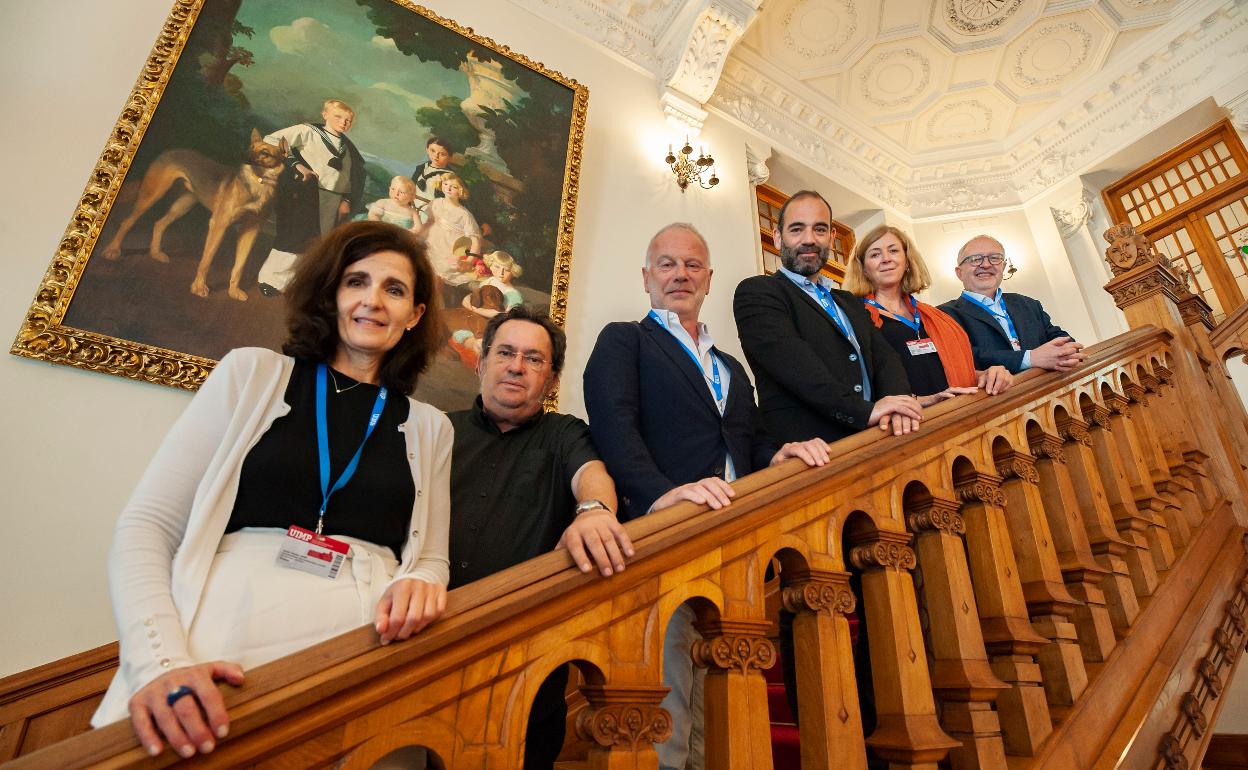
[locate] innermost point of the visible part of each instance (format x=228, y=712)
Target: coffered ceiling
x=930, y=106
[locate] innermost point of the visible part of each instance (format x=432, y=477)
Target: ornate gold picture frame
x=147, y=282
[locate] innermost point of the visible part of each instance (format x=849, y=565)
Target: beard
x=804, y=264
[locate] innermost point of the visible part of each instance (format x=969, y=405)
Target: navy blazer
x=805, y=368
x=654, y=420
x=989, y=342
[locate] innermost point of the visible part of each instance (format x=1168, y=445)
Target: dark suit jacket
x=989, y=343
x=654, y=420
x=805, y=368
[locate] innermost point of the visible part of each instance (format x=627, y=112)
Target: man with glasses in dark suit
x=1011, y=330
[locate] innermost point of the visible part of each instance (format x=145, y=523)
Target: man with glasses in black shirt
x=524, y=482
x=1010, y=330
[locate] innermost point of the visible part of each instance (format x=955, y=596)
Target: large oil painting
x=256, y=126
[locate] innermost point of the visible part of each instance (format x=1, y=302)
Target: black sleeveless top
x=926, y=374
x=280, y=482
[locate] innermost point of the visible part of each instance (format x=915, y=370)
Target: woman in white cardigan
x=293, y=500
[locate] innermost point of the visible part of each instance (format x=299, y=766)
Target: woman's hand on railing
x=994, y=379
x=184, y=707
x=408, y=606
x=899, y=414
x=945, y=395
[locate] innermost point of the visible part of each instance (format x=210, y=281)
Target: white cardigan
x=168, y=533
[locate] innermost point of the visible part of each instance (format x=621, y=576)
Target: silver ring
x=173, y=695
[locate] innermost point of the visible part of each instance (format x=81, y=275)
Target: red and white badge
x=304, y=550
x=921, y=347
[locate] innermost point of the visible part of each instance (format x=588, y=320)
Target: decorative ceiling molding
x=979, y=17
x=1066, y=45
x=1191, y=57
x=877, y=87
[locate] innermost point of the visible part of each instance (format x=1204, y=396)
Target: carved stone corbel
x=1072, y=219
x=624, y=717
x=693, y=53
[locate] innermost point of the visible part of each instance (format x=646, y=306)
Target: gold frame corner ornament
x=42, y=335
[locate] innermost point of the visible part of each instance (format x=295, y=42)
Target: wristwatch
x=589, y=505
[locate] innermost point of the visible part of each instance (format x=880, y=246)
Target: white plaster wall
x=73, y=443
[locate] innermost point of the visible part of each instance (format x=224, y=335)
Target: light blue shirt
x=702, y=350
x=996, y=306
x=820, y=290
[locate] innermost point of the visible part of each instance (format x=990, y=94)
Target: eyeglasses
x=995, y=258
x=508, y=355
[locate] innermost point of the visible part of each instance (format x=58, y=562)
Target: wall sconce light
x=688, y=170
x=1010, y=269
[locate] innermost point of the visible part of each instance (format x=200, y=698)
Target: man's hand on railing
x=899, y=414
x=1060, y=354
x=994, y=379
x=813, y=452
x=597, y=535
x=174, y=706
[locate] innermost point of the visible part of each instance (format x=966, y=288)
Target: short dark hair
x=312, y=299
x=798, y=196
x=441, y=143
x=558, y=340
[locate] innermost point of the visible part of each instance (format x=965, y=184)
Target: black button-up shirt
x=511, y=493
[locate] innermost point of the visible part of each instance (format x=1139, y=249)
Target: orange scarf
x=952, y=345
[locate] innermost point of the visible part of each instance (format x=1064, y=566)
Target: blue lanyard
x=322, y=443
x=829, y=305
x=914, y=325
x=716, y=383
x=990, y=307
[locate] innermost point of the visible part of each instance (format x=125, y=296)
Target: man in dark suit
x=822, y=367
x=674, y=418
x=1010, y=330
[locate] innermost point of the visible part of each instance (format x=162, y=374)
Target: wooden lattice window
x=1192, y=203
x=769, y=202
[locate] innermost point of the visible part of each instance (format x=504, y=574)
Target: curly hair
x=916, y=278
x=312, y=299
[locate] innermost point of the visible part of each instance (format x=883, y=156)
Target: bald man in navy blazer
x=1006, y=329
x=674, y=419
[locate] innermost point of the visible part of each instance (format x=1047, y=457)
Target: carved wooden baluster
x=907, y=734
x=1080, y=571
x=1191, y=464
x=961, y=676
x=1170, y=431
x=623, y=723
x=1010, y=640
x=1048, y=602
x=1140, y=482
x=829, y=716
x=734, y=652
x=1154, y=460
x=1134, y=528
x=1116, y=555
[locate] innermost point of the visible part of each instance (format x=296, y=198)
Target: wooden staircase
x=1051, y=578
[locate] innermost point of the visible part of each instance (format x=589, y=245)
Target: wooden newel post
x=961, y=676
x=623, y=723
x=734, y=653
x=1049, y=604
x=829, y=716
x=1108, y=548
x=1083, y=575
x=1010, y=640
x=907, y=733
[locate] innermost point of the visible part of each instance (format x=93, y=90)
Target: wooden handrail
x=1047, y=524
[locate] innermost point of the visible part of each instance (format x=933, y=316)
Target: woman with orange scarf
x=886, y=272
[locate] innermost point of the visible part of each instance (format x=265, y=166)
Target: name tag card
x=304, y=550
x=921, y=347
